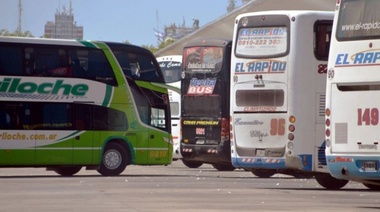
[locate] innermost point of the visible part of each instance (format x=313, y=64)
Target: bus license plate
x=370, y=166
x=200, y=141
x=260, y=152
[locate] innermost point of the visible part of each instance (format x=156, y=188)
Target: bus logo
x=170, y=64
x=258, y=66
x=201, y=86
x=361, y=58
x=14, y=85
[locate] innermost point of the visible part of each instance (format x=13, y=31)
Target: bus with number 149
x=353, y=93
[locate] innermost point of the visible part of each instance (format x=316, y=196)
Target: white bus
x=171, y=66
x=352, y=104
x=278, y=82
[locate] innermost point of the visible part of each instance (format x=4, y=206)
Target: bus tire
x=375, y=187
x=67, y=171
x=329, y=182
x=192, y=164
x=223, y=167
x=115, y=159
x=261, y=173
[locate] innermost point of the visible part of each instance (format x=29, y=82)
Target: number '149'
x=368, y=116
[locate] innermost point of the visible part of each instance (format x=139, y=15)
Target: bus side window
x=63, y=69
x=11, y=61
x=322, y=39
x=11, y=115
x=56, y=116
x=116, y=120
x=99, y=68
x=29, y=61
x=109, y=119
x=82, y=116
x=100, y=118
x=46, y=59
x=157, y=117
x=5, y=118
x=142, y=103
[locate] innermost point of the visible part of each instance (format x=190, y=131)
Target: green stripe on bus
x=159, y=87
x=108, y=95
x=87, y=44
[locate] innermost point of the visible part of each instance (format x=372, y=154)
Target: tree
x=162, y=45
x=151, y=48
x=166, y=42
x=17, y=33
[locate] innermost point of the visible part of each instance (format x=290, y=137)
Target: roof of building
x=223, y=26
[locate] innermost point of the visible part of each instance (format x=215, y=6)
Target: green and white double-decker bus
x=68, y=104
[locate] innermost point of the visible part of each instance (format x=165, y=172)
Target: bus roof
x=285, y=12
x=208, y=42
x=174, y=57
x=51, y=41
x=66, y=42
x=126, y=46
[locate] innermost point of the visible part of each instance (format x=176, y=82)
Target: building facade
x=64, y=26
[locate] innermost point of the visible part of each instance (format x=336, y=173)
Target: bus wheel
x=330, y=182
x=115, y=159
x=192, y=164
x=67, y=171
x=261, y=173
x=223, y=167
x=375, y=187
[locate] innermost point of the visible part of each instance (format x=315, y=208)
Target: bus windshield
x=261, y=41
x=358, y=20
x=171, y=70
x=260, y=98
x=203, y=63
x=136, y=64
x=203, y=60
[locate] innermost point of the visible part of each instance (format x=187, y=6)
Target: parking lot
x=174, y=188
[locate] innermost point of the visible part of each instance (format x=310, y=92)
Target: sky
x=113, y=20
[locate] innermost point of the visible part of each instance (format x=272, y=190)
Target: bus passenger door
x=160, y=148
x=65, y=136
x=85, y=137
